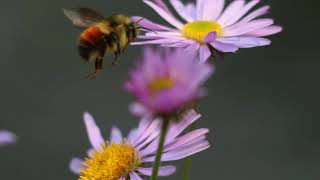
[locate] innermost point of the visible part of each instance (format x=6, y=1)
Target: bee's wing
x=83, y=17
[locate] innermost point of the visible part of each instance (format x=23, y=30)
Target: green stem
x=156, y=165
x=187, y=163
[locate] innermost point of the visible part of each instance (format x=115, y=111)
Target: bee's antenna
x=139, y=20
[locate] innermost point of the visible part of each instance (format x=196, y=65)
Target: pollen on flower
x=160, y=85
x=198, y=30
x=110, y=163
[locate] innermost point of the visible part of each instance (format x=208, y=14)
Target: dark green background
x=262, y=108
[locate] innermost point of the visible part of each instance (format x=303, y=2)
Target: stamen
x=111, y=163
x=198, y=30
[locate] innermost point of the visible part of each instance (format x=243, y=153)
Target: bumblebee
x=102, y=35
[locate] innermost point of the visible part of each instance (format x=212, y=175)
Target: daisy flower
x=7, y=137
x=208, y=28
x=129, y=158
x=166, y=82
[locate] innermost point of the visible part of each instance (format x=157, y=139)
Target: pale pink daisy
x=208, y=28
x=166, y=81
x=132, y=157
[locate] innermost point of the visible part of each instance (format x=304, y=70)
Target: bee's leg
x=98, y=67
x=116, y=54
x=115, y=61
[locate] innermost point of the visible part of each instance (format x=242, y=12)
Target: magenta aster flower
x=7, y=137
x=125, y=158
x=208, y=27
x=166, y=81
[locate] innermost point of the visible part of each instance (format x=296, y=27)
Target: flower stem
x=156, y=165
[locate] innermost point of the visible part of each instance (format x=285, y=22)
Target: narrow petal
x=163, y=170
x=157, y=41
x=248, y=27
x=185, y=152
x=143, y=22
x=267, y=31
x=185, y=139
x=239, y=14
x=166, y=16
x=132, y=135
x=204, y=53
x=235, y=6
x=181, y=153
x=134, y=176
x=75, y=165
x=122, y=178
x=223, y=47
x=181, y=10
x=259, y=12
x=116, y=135
x=246, y=42
x=148, y=132
x=93, y=131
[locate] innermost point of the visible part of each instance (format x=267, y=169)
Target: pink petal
x=181, y=10
x=148, y=131
x=246, y=42
x=132, y=135
x=259, y=12
x=75, y=165
x=163, y=170
x=204, y=53
x=239, y=14
x=157, y=41
x=223, y=47
x=185, y=139
x=134, y=176
x=165, y=15
x=93, y=131
x=116, y=135
x=211, y=37
x=248, y=27
x=149, y=24
x=122, y=178
x=138, y=109
x=181, y=153
x=234, y=7
x=270, y=30
x=7, y=137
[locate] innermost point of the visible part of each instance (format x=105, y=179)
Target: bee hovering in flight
x=101, y=35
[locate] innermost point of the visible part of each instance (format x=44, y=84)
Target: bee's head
x=133, y=31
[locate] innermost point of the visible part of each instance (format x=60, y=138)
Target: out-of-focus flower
x=209, y=28
x=7, y=137
x=166, y=81
x=123, y=158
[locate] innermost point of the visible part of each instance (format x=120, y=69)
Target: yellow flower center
x=198, y=30
x=113, y=162
x=160, y=85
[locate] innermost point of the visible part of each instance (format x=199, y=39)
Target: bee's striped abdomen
x=91, y=35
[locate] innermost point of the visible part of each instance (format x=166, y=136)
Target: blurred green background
x=262, y=108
